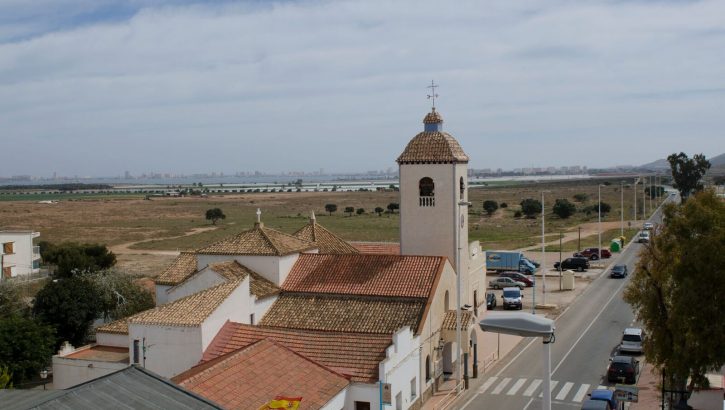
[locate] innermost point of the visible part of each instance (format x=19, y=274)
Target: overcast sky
x=98, y=87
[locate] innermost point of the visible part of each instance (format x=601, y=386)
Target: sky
x=100, y=87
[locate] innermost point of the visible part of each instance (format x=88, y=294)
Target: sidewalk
x=649, y=393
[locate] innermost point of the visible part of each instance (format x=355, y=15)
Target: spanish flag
x=279, y=402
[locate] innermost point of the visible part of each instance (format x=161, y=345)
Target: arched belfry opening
x=462, y=188
x=426, y=192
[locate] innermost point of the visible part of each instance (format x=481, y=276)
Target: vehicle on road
x=512, y=298
x=618, y=271
x=605, y=395
x=644, y=237
x=593, y=253
x=632, y=340
x=578, y=264
x=500, y=283
x=533, y=262
x=509, y=261
x=519, y=277
x=623, y=369
x=590, y=404
x=490, y=300
x=648, y=226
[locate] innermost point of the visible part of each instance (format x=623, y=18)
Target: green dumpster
x=615, y=246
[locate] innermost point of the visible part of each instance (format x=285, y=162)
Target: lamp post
x=599, y=224
x=636, y=181
x=543, y=250
x=621, y=208
x=461, y=225
x=44, y=376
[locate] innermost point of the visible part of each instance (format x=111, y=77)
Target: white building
x=18, y=255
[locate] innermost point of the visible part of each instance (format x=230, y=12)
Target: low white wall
x=71, y=372
x=111, y=339
x=198, y=282
x=337, y=402
x=170, y=350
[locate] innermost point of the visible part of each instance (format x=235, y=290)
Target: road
x=587, y=334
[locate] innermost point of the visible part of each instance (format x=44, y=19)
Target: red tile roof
x=253, y=375
x=353, y=354
x=365, y=275
x=377, y=248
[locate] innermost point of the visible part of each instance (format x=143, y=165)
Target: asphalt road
x=587, y=335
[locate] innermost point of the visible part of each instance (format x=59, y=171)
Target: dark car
x=490, y=301
x=578, y=264
x=623, y=368
x=618, y=271
x=593, y=253
x=519, y=277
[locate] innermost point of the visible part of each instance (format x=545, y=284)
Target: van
x=631, y=340
x=512, y=298
x=643, y=237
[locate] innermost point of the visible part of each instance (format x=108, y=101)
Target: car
x=618, y=271
x=490, y=300
x=623, y=368
x=512, y=298
x=590, y=404
x=648, y=226
x=632, y=340
x=577, y=263
x=643, y=237
x=605, y=395
x=593, y=253
x=500, y=283
x=519, y=277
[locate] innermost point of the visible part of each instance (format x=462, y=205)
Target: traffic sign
x=626, y=393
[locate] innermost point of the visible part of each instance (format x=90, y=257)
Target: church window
x=426, y=189
x=463, y=189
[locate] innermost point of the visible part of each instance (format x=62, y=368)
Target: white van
x=643, y=237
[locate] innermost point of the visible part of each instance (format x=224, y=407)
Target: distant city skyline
x=98, y=88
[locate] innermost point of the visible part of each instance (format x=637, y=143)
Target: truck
x=510, y=261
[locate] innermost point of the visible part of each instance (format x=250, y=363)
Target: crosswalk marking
x=516, y=387
x=501, y=385
x=487, y=384
x=532, y=388
x=553, y=386
x=564, y=391
x=579, y=396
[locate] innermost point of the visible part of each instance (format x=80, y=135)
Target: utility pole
x=599, y=224
x=543, y=249
x=579, y=241
x=621, y=208
x=635, y=199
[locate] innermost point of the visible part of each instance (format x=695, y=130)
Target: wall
x=273, y=268
x=261, y=307
x=363, y=392
x=71, y=372
x=161, y=295
x=401, y=366
x=337, y=402
x=111, y=339
x=477, y=274
x=236, y=308
x=200, y=281
x=23, y=256
x=170, y=350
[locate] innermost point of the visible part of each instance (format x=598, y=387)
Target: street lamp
x=543, y=252
x=44, y=376
x=526, y=325
x=599, y=224
x=459, y=247
x=621, y=208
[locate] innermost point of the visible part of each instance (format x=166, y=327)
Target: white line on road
x=516, y=387
x=487, y=384
x=501, y=385
x=532, y=388
x=579, y=396
x=552, y=387
x=564, y=391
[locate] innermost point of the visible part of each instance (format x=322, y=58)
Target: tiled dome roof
x=433, y=147
x=432, y=117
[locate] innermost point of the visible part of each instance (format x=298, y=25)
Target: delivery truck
x=509, y=260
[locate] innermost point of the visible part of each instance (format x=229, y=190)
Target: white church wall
x=200, y=281
x=401, y=368
x=237, y=307
x=337, y=402
x=261, y=307
x=170, y=350
x=111, y=339
x=363, y=392
x=161, y=295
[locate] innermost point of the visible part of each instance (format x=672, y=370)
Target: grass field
x=593, y=241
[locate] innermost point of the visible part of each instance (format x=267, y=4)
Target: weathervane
x=433, y=95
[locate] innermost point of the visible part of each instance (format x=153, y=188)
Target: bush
x=330, y=208
x=72, y=257
x=379, y=210
x=517, y=214
x=349, y=210
x=530, y=207
x=581, y=197
x=490, y=207
x=504, y=205
x=563, y=208
x=393, y=206
x=360, y=211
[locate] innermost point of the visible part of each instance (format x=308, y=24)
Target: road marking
x=579, y=396
x=487, y=384
x=532, y=388
x=501, y=385
x=552, y=387
x=516, y=387
x=564, y=391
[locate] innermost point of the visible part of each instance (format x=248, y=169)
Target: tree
x=581, y=197
x=11, y=302
x=330, y=208
x=393, y=206
x=379, y=210
x=26, y=347
x=504, y=205
x=360, y=211
x=349, y=210
x=5, y=378
x=69, y=305
x=120, y=296
x=490, y=206
x=214, y=215
x=71, y=257
x=517, y=214
x=687, y=173
x=654, y=192
x=676, y=292
x=530, y=207
x=563, y=208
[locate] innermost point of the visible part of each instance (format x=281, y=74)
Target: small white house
x=18, y=256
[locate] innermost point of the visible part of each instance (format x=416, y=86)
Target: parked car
x=632, y=340
x=590, y=404
x=512, y=298
x=490, y=300
x=623, y=368
x=500, y=283
x=593, y=253
x=648, y=226
x=618, y=271
x=578, y=264
x=605, y=395
x=519, y=277
x=643, y=237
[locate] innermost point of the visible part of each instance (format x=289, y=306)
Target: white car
x=643, y=237
x=648, y=226
x=632, y=340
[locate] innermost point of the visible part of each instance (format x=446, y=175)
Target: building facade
x=18, y=255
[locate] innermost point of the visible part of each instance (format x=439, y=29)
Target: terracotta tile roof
x=433, y=117
x=352, y=354
x=118, y=327
x=251, y=376
x=344, y=313
x=371, y=275
x=258, y=285
x=258, y=241
x=191, y=310
x=449, y=320
x=377, y=248
x=110, y=354
x=326, y=241
x=433, y=147
x=181, y=268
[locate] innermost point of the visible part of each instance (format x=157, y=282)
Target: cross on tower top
x=432, y=96
x=259, y=215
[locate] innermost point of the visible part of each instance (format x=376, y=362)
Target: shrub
x=490, y=207
x=517, y=214
x=563, y=208
x=503, y=205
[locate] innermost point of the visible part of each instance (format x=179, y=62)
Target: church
x=345, y=325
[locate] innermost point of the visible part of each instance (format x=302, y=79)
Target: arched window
x=426, y=189
x=463, y=188
x=447, y=302
x=427, y=368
